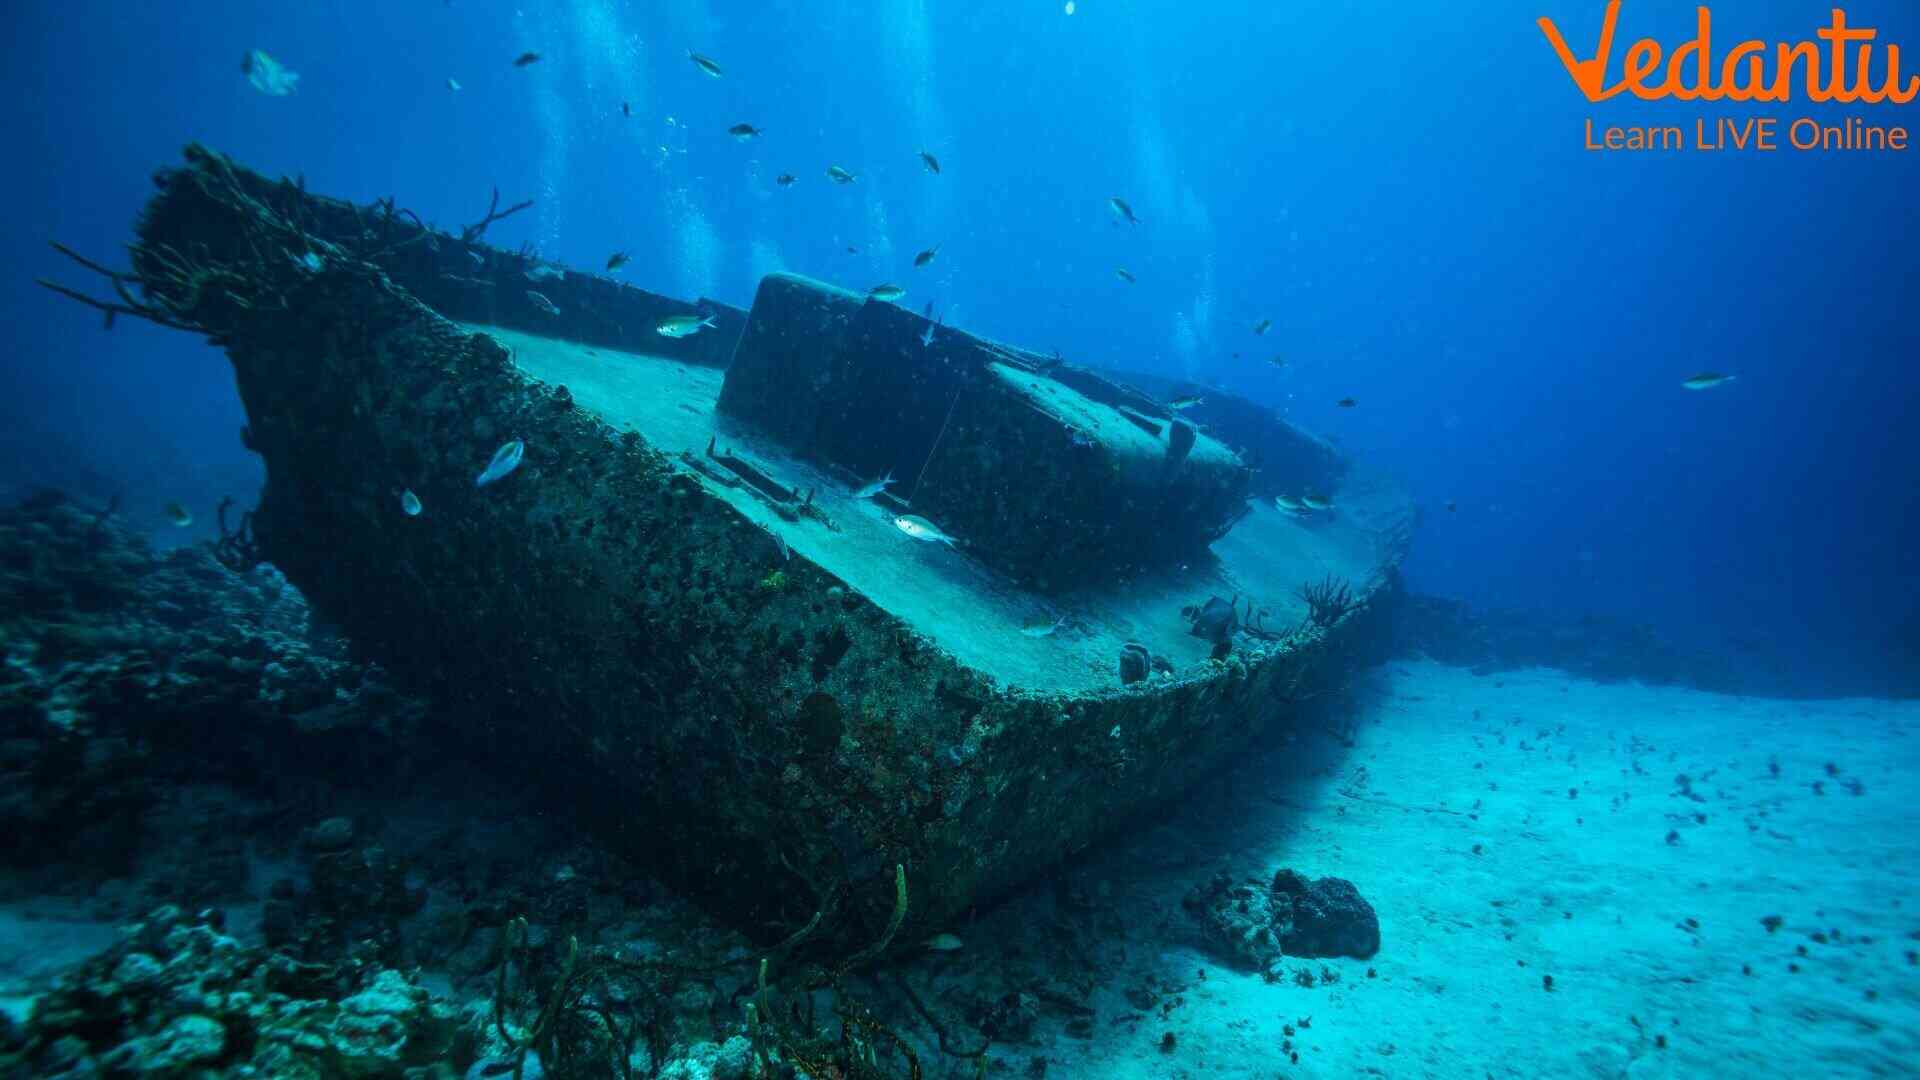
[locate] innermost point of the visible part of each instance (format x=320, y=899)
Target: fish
x=704, y=64
x=1706, y=380
x=1289, y=504
x=1262, y=326
x=785, y=179
x=626, y=109
x=839, y=175
x=505, y=460
x=921, y=529
x=1185, y=401
x=1121, y=208
x=178, y=515
x=1276, y=360
x=267, y=75
x=453, y=83
x=1451, y=507
x=886, y=292
x=1346, y=403
x=852, y=250
x=680, y=326
x=926, y=338
x=944, y=943
x=616, y=260
x=526, y=58
x=1124, y=274
x=541, y=302
x=410, y=503
x=310, y=262
x=1316, y=502
x=1042, y=628
x=868, y=491
x=926, y=256
x=743, y=132
x=543, y=271
x=932, y=163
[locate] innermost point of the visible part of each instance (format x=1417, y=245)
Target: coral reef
x=124, y=666
x=177, y=997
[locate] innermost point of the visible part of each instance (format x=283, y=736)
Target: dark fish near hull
x=932, y=163
x=743, y=132
x=926, y=256
x=526, y=58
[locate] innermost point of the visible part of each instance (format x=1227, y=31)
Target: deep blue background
x=1400, y=187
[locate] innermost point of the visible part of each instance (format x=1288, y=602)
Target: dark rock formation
x=1323, y=917
x=1236, y=920
x=1252, y=924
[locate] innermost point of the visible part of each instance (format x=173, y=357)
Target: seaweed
x=1327, y=600
x=576, y=1025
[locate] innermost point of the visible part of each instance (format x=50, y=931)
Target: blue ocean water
x=1382, y=220
x=1402, y=191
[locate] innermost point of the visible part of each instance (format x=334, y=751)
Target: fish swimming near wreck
x=505, y=460
x=681, y=326
x=921, y=529
x=268, y=75
x=887, y=292
x=926, y=256
x=1122, y=210
x=410, y=503
x=540, y=301
x=1707, y=380
x=178, y=515
x=868, y=491
x=744, y=132
x=932, y=163
x=705, y=64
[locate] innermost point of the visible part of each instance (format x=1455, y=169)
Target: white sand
x=1586, y=889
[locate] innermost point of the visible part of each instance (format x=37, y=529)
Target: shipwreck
x=680, y=611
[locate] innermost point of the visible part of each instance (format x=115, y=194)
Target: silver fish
x=541, y=302
x=680, y=326
x=1044, y=629
x=505, y=460
x=1186, y=401
x=1316, y=502
x=178, y=515
x=839, y=175
x=1124, y=211
x=542, y=272
x=1707, y=380
x=886, y=292
x=1289, y=504
x=267, y=75
x=410, y=503
x=921, y=529
x=870, y=490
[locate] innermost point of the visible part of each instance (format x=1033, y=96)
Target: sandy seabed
x=1627, y=843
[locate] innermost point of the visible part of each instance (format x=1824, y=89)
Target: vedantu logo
x=1841, y=64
